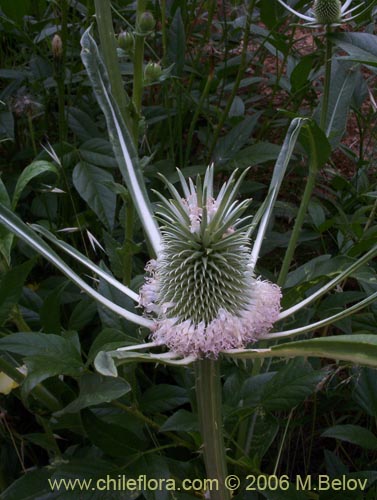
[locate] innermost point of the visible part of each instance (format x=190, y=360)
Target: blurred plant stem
x=208, y=396
x=109, y=52
x=327, y=81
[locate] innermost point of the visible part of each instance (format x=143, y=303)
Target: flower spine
x=201, y=289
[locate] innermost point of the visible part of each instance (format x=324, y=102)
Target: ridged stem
x=326, y=87
x=109, y=52
x=208, y=395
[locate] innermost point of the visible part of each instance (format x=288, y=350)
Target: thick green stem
x=326, y=87
x=109, y=51
x=208, y=394
x=310, y=183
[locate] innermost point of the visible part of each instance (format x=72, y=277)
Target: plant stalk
x=208, y=394
x=109, y=52
x=326, y=88
x=310, y=183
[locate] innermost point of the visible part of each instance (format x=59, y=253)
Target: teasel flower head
x=328, y=13
x=201, y=290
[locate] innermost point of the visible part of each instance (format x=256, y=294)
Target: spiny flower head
x=327, y=12
x=201, y=288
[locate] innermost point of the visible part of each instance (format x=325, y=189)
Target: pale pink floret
x=226, y=331
x=195, y=212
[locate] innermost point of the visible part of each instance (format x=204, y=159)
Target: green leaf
x=361, y=47
x=353, y=434
x=253, y=388
x=315, y=142
x=229, y=145
x=290, y=385
x=260, y=152
x=50, y=310
x=92, y=185
x=176, y=44
x=82, y=314
x=95, y=390
x=265, y=429
x=181, y=421
x=357, y=348
x=163, y=397
x=280, y=168
x=98, y=151
x=45, y=355
x=105, y=364
x=6, y=237
x=33, y=170
x=34, y=484
x=365, y=392
x=343, y=82
x=11, y=287
x=299, y=77
x=115, y=441
x=82, y=124
x=6, y=125
x=108, y=339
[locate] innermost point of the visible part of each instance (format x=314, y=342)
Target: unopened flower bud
x=57, y=46
x=126, y=41
x=146, y=22
x=152, y=72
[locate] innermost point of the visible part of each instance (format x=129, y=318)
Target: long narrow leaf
x=277, y=178
x=327, y=321
x=324, y=289
x=105, y=361
x=120, y=138
x=358, y=349
x=20, y=229
x=86, y=262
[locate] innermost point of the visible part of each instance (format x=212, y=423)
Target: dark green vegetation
x=222, y=81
